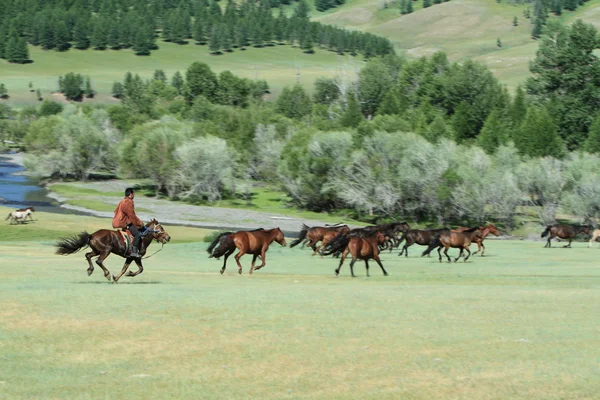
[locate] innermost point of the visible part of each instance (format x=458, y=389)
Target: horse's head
x=585, y=229
x=380, y=237
x=279, y=238
x=492, y=229
x=401, y=227
x=158, y=232
x=344, y=230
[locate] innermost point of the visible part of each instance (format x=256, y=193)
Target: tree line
x=426, y=140
x=136, y=24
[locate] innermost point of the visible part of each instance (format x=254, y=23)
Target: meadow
x=520, y=323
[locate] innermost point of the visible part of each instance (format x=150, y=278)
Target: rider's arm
x=130, y=212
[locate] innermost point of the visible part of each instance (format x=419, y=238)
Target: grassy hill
x=461, y=28
x=278, y=65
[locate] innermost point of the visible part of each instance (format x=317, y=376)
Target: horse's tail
x=225, y=242
x=302, y=236
x=73, y=244
x=433, y=243
x=337, y=245
x=547, y=231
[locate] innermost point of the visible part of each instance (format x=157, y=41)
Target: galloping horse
x=454, y=239
x=314, y=234
x=104, y=242
x=564, y=232
x=254, y=242
x=419, y=236
x=485, y=230
x=595, y=234
x=20, y=215
x=362, y=245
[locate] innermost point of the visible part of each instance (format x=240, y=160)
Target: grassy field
x=519, y=324
x=278, y=65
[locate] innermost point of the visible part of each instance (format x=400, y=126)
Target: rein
x=163, y=245
x=152, y=231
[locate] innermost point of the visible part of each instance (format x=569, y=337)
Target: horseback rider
x=125, y=218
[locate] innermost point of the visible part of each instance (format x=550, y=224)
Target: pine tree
x=493, y=134
x=159, y=75
x=426, y=3
x=141, y=45
x=306, y=41
x=226, y=39
x=199, y=32
x=88, y=91
x=3, y=92
x=214, y=43
x=592, y=143
x=437, y=130
x=71, y=85
x=498, y=42
x=38, y=94
x=409, y=7
x=352, y=115
x=518, y=109
x=99, y=38
x=537, y=29
x=61, y=37
x=538, y=135
x=113, y=37
x=515, y=21
x=177, y=82
x=117, y=90
x=81, y=35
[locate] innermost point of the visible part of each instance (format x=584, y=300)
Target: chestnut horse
x=595, y=235
x=564, y=232
x=254, y=242
x=485, y=230
x=461, y=240
x=362, y=246
x=418, y=236
x=324, y=234
x=104, y=242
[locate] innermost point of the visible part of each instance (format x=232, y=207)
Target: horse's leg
x=225, y=261
x=100, y=263
x=352, y=266
x=460, y=254
x=254, y=257
x=138, y=261
x=440, y=253
x=446, y=253
x=263, y=258
x=468, y=253
x=123, y=270
x=479, y=245
x=367, y=267
x=337, y=271
x=569, y=245
x=237, y=260
x=88, y=257
x=378, y=261
x=405, y=248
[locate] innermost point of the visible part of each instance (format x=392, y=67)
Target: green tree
x=493, y=134
x=61, y=37
x=81, y=34
x=326, y=91
x=141, y=46
x=117, y=90
x=201, y=80
x=518, y=109
x=232, y=90
x=515, y=21
x=214, y=43
x=159, y=75
x=352, y=115
x=565, y=75
x=71, y=85
x=426, y=3
x=592, y=144
x=99, y=39
x=3, y=92
x=538, y=135
x=374, y=81
x=88, y=91
x=294, y=102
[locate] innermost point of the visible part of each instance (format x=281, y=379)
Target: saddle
x=127, y=240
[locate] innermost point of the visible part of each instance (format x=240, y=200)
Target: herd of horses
x=330, y=240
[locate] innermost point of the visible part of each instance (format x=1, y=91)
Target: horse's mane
x=471, y=229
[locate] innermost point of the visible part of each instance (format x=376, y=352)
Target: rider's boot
x=134, y=252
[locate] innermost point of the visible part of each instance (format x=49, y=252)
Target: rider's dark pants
x=137, y=236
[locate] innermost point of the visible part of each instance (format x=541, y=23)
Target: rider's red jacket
x=125, y=215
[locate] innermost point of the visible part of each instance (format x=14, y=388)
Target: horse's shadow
x=120, y=283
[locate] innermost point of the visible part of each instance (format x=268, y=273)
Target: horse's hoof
x=239, y=271
x=113, y=277
x=222, y=271
x=386, y=274
x=89, y=272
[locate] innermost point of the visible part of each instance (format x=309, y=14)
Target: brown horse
x=315, y=234
x=461, y=240
x=363, y=246
x=254, y=242
x=104, y=242
x=564, y=232
x=485, y=230
x=418, y=236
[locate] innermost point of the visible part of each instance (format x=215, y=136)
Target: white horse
x=20, y=215
x=595, y=235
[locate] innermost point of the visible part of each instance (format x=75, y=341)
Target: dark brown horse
x=363, y=246
x=485, y=230
x=461, y=240
x=419, y=236
x=104, y=242
x=254, y=242
x=313, y=235
x=564, y=232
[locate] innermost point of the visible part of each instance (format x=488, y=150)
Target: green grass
x=75, y=189
x=519, y=324
x=278, y=65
